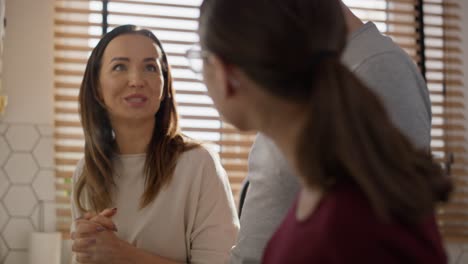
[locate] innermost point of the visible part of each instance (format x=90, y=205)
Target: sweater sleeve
x=400, y=86
x=216, y=223
x=75, y=212
x=273, y=188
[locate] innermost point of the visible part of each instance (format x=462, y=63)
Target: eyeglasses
x=195, y=56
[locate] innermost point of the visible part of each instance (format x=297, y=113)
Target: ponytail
x=350, y=138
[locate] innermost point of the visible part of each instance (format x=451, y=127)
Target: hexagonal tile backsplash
x=5, y=150
x=21, y=168
x=3, y=217
x=20, y=201
x=3, y=250
x=4, y=183
x=16, y=233
x=16, y=257
x=26, y=177
x=22, y=137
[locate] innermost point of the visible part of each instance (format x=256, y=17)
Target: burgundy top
x=345, y=229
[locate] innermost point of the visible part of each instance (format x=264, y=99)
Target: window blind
x=427, y=29
x=442, y=25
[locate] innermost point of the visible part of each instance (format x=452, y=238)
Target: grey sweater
x=386, y=69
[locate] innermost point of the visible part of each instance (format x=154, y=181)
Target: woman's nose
x=136, y=79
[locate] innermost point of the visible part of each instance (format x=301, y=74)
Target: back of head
x=292, y=49
x=273, y=41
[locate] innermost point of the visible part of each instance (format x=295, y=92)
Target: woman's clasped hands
x=95, y=240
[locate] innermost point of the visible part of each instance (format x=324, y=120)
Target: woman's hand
x=94, y=240
x=101, y=247
x=102, y=219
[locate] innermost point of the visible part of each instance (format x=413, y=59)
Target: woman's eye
x=118, y=67
x=151, y=68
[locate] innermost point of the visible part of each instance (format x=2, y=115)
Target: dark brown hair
x=293, y=48
x=166, y=145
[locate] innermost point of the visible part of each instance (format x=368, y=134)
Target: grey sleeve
x=273, y=188
x=403, y=91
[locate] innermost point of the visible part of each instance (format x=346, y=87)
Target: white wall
x=28, y=61
x=26, y=132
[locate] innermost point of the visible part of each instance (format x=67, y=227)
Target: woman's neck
x=133, y=137
x=309, y=199
x=284, y=128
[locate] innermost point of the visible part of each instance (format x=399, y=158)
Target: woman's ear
x=225, y=77
x=234, y=81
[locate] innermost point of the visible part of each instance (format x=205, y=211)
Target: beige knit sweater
x=192, y=220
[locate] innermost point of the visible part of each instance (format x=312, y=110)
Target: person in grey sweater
x=386, y=69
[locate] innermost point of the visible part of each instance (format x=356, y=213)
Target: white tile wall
x=3, y=128
x=22, y=137
x=21, y=168
x=45, y=130
x=26, y=177
x=20, y=200
x=44, y=152
x=17, y=257
x=3, y=250
x=43, y=185
x=4, y=182
x=17, y=232
x=3, y=217
x=4, y=150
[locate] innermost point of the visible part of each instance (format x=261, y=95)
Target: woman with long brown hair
x=171, y=197
x=368, y=194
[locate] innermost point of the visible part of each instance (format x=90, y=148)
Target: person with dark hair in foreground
x=367, y=192
x=391, y=74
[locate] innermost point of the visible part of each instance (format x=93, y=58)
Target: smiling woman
x=162, y=185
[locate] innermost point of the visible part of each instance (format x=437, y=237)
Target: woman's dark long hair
x=165, y=147
x=293, y=49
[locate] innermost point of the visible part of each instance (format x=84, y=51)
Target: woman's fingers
x=85, y=228
x=88, y=215
x=84, y=258
x=90, y=223
x=82, y=245
x=106, y=222
x=109, y=212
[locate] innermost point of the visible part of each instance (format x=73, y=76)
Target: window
x=426, y=29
